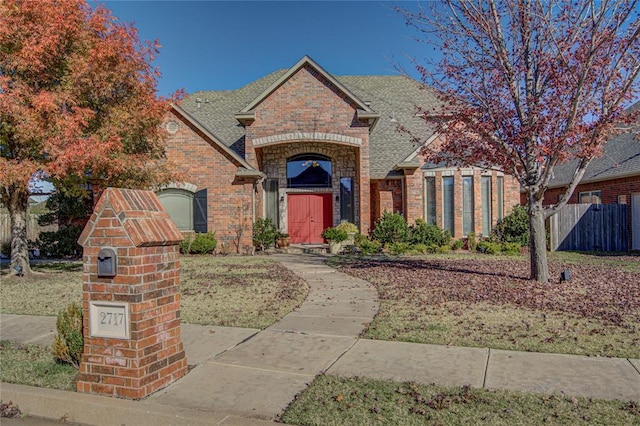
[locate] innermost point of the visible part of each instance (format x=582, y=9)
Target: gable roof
x=620, y=158
x=306, y=61
x=392, y=97
x=244, y=169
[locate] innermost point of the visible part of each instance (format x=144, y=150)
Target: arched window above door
x=309, y=171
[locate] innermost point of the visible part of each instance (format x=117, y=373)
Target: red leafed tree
x=527, y=85
x=77, y=101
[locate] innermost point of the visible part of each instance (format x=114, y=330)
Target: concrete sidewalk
x=248, y=376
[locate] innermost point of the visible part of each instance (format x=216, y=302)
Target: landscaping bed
x=488, y=301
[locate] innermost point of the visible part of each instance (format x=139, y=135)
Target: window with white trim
x=467, y=205
x=589, y=197
x=447, y=204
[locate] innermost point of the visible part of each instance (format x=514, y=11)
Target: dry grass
x=230, y=291
x=486, y=301
x=238, y=291
x=334, y=400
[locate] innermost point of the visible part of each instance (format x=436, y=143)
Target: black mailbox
x=107, y=263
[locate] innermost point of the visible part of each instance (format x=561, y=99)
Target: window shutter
x=200, y=211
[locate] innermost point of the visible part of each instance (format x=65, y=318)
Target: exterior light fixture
x=19, y=270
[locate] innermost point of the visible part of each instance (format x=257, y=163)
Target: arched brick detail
x=306, y=137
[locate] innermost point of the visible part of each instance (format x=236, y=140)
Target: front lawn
x=35, y=365
x=236, y=291
x=488, y=301
x=334, y=400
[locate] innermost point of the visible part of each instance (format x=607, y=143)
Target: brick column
x=414, y=195
x=131, y=317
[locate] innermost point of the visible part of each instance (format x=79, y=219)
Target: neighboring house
x=613, y=178
x=309, y=150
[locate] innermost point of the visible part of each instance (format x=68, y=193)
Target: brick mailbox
x=131, y=299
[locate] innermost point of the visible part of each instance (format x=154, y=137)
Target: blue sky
x=222, y=45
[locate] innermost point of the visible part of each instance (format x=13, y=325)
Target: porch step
x=305, y=249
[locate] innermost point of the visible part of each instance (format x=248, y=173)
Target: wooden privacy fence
x=590, y=227
x=33, y=229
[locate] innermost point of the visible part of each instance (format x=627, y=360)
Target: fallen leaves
x=607, y=293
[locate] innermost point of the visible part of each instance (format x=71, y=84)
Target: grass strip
x=34, y=365
x=332, y=400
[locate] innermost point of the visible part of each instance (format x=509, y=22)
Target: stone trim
x=307, y=136
x=180, y=185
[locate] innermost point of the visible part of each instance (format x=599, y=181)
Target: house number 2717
x=111, y=318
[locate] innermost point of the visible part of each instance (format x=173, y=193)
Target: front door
x=308, y=215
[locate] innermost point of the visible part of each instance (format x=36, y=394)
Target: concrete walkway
x=248, y=376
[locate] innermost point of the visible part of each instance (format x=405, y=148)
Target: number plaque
x=109, y=319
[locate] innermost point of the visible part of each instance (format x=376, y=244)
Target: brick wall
x=308, y=103
x=273, y=161
x=510, y=194
x=230, y=200
x=145, y=240
x=386, y=196
x=414, y=195
x=610, y=190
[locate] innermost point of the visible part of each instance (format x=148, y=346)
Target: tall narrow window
x=486, y=205
x=500, y=196
x=467, y=205
x=447, y=204
x=271, y=192
x=430, y=200
x=346, y=200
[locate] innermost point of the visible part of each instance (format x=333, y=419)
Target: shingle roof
x=393, y=97
x=621, y=158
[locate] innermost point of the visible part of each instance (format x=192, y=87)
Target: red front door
x=308, y=215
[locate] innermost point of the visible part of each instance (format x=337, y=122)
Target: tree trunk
x=538, y=242
x=18, y=201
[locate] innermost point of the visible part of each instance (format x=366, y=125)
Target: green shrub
x=264, y=233
x=421, y=233
x=443, y=249
x=419, y=249
x=5, y=248
x=66, y=207
x=472, y=242
x=511, y=248
x=335, y=234
x=203, y=243
x=68, y=343
x=489, y=247
x=398, y=248
x=370, y=247
x=446, y=238
x=348, y=227
x=359, y=239
x=391, y=228
x=433, y=248
x=60, y=243
x=457, y=244
x=185, y=245
x=513, y=228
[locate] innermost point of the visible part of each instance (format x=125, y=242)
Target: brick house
x=309, y=150
x=613, y=178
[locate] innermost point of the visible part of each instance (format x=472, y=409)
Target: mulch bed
x=594, y=291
